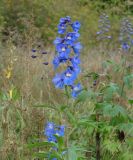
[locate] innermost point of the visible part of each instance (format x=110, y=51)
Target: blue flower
x=75, y=61
x=69, y=76
x=49, y=130
x=33, y=50
x=60, y=131
x=125, y=46
x=45, y=63
x=56, y=62
x=77, y=47
x=132, y=42
x=64, y=47
x=65, y=20
x=58, y=81
x=76, y=90
x=51, y=138
x=58, y=40
x=61, y=28
x=126, y=34
x=33, y=56
x=76, y=26
x=44, y=52
x=71, y=37
x=76, y=69
x=104, y=27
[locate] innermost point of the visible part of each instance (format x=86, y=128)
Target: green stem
x=123, y=72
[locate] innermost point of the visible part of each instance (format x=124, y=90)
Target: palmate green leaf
x=42, y=144
x=126, y=127
x=110, y=90
x=128, y=80
x=84, y=95
x=87, y=123
x=114, y=110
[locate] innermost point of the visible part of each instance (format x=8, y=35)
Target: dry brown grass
x=34, y=80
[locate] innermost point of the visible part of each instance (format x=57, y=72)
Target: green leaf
x=55, y=154
x=60, y=141
x=111, y=146
x=84, y=95
x=110, y=90
x=70, y=117
x=128, y=80
x=15, y=94
x=126, y=127
x=40, y=155
x=72, y=153
x=130, y=101
x=114, y=110
x=42, y=144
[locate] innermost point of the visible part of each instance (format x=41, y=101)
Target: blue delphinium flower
x=125, y=46
x=51, y=131
x=76, y=89
x=68, y=52
x=104, y=27
x=58, y=81
x=126, y=34
x=76, y=26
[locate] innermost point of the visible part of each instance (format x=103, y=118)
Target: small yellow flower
x=10, y=93
x=8, y=72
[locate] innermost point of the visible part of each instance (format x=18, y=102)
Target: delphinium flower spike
x=51, y=131
x=68, y=52
x=126, y=34
x=104, y=27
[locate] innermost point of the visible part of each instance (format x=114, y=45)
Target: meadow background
x=27, y=96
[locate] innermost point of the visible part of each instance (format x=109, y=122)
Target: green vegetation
x=99, y=123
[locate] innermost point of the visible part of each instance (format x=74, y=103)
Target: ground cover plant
x=68, y=102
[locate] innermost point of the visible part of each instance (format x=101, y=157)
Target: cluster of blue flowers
x=51, y=131
x=38, y=53
x=68, y=52
x=104, y=27
x=126, y=34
